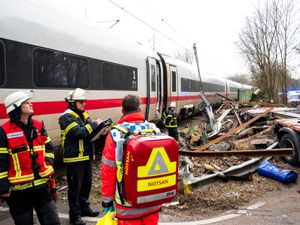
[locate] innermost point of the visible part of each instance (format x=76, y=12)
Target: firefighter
x=26, y=158
x=126, y=214
x=76, y=125
x=170, y=121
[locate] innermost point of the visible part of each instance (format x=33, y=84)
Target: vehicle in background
x=293, y=98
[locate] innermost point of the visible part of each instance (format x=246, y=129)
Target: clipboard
x=102, y=129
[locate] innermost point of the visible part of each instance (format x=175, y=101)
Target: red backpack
x=147, y=168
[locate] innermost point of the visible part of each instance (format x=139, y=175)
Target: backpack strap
x=119, y=158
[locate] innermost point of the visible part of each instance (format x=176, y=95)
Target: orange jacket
x=109, y=175
x=22, y=157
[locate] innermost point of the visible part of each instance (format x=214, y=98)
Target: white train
x=51, y=54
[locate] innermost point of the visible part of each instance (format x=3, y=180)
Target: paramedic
x=133, y=119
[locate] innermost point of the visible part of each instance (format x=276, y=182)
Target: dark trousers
x=173, y=132
x=21, y=204
x=79, y=176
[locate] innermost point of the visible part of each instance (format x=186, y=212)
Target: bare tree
x=186, y=55
x=267, y=42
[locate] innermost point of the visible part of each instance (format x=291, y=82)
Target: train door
x=154, y=88
x=173, y=96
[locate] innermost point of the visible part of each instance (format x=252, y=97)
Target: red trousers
x=151, y=219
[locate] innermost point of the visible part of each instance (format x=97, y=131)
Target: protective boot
x=89, y=212
x=77, y=221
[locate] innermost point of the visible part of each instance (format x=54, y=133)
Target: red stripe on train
x=44, y=108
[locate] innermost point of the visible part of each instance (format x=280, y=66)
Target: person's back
x=126, y=214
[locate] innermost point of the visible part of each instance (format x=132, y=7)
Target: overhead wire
x=164, y=21
x=145, y=23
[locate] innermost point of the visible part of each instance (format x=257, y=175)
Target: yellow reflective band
x=156, y=183
x=39, y=148
x=122, y=129
x=119, y=173
x=74, y=124
x=16, y=164
x=147, y=131
x=89, y=128
x=77, y=159
x=74, y=114
x=21, y=178
x=40, y=181
x=157, y=164
x=19, y=187
x=49, y=155
x=47, y=172
x=3, y=175
x=81, y=147
x=63, y=138
x=85, y=115
x=48, y=140
x=3, y=150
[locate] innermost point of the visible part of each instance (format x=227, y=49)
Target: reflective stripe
x=39, y=148
x=48, y=140
x=73, y=113
x=136, y=211
x=68, y=128
x=76, y=159
x=16, y=165
x=85, y=115
x=49, y=155
x=23, y=178
x=108, y=162
x=63, y=138
x=121, y=128
x=154, y=197
x=81, y=147
x=38, y=182
x=89, y=128
x=47, y=172
x=3, y=150
x=3, y=175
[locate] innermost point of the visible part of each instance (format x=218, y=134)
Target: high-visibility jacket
x=74, y=133
x=170, y=118
x=109, y=170
x=25, y=159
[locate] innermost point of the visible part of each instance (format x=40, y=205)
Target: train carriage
x=51, y=54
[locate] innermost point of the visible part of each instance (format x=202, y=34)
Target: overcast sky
x=213, y=24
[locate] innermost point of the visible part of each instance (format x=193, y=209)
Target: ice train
x=51, y=54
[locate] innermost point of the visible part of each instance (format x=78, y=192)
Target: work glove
x=109, y=206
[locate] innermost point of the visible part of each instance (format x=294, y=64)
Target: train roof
x=34, y=24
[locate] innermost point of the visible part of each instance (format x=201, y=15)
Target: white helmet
x=15, y=100
x=77, y=94
x=173, y=104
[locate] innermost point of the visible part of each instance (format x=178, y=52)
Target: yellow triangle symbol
x=157, y=167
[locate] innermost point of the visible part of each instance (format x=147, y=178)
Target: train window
x=153, y=78
x=188, y=85
x=207, y=87
x=56, y=69
x=119, y=77
x=2, y=63
x=174, y=81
